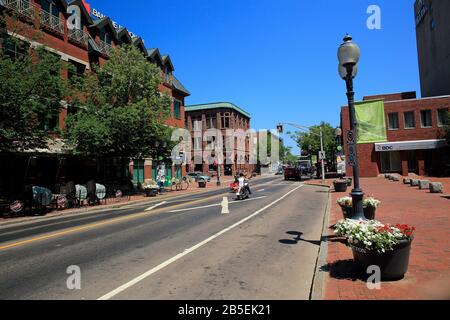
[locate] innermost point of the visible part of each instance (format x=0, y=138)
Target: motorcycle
x=244, y=192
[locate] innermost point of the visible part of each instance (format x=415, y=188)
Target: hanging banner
x=371, y=122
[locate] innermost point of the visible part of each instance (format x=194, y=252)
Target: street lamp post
x=348, y=55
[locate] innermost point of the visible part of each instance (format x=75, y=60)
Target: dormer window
x=104, y=36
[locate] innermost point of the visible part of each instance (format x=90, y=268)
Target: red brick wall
x=369, y=160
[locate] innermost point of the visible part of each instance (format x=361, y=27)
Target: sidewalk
x=428, y=276
x=193, y=189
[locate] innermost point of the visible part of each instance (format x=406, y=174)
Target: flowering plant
x=371, y=203
x=345, y=202
x=150, y=184
x=372, y=235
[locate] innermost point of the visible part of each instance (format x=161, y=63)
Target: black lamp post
x=348, y=55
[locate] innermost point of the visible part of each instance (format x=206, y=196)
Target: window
x=426, y=119
x=391, y=162
x=75, y=70
x=177, y=109
x=197, y=124
x=50, y=7
x=393, y=121
x=14, y=48
x=211, y=122
x=105, y=37
x=443, y=117
x=138, y=171
x=410, y=121
x=226, y=117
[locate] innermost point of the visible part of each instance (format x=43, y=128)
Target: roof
x=179, y=86
x=216, y=105
x=166, y=60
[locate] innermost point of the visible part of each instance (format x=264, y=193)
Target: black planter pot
x=369, y=213
x=202, y=184
x=347, y=212
x=340, y=186
x=151, y=192
x=349, y=182
x=393, y=264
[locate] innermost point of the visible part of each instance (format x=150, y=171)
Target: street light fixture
x=348, y=55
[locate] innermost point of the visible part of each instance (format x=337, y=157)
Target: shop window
x=426, y=119
x=393, y=121
x=410, y=121
x=443, y=117
x=177, y=109
x=391, y=162
x=138, y=171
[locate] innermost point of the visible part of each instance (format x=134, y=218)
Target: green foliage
x=122, y=113
x=310, y=141
x=30, y=96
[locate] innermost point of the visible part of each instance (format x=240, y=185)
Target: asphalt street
x=183, y=248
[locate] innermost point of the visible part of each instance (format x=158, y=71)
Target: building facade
x=433, y=34
x=225, y=117
x=37, y=23
x=415, y=135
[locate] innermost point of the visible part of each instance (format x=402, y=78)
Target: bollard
x=436, y=187
x=414, y=183
x=407, y=181
x=424, y=185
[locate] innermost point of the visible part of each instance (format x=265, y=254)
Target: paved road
x=266, y=248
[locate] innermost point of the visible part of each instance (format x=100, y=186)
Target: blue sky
x=276, y=58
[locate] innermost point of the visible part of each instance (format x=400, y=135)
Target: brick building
x=415, y=137
x=38, y=23
x=222, y=116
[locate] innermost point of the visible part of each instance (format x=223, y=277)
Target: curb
x=317, y=289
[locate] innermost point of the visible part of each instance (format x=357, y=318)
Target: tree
x=120, y=110
x=310, y=141
x=30, y=97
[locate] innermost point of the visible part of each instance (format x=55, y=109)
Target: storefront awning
x=410, y=145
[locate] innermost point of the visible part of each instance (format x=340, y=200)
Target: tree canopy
x=310, y=141
x=30, y=96
x=120, y=113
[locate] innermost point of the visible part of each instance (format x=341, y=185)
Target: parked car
x=199, y=176
x=307, y=168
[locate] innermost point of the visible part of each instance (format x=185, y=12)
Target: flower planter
x=369, y=213
x=340, y=186
x=349, y=182
x=347, y=212
x=393, y=264
x=151, y=192
x=202, y=184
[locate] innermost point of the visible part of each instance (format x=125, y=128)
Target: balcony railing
x=104, y=47
x=79, y=36
x=22, y=7
x=52, y=22
x=32, y=11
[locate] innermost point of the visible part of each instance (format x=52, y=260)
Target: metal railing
x=22, y=7
x=104, y=47
x=32, y=11
x=79, y=36
x=53, y=22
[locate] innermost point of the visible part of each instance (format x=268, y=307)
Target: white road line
x=190, y=250
x=156, y=206
x=261, y=190
x=215, y=205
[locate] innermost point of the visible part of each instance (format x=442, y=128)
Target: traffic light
x=280, y=128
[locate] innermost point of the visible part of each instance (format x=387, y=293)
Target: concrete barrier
x=407, y=181
x=436, y=187
x=414, y=183
x=424, y=185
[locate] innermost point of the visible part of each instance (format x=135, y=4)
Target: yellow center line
x=104, y=223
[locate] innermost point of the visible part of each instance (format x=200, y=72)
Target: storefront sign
x=97, y=14
x=410, y=145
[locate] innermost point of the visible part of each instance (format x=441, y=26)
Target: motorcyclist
x=241, y=181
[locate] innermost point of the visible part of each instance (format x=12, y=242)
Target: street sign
x=322, y=155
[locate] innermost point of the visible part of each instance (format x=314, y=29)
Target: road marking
x=261, y=190
x=225, y=206
x=190, y=250
x=156, y=206
x=98, y=224
x=215, y=205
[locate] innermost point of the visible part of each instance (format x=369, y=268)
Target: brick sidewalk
x=429, y=269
